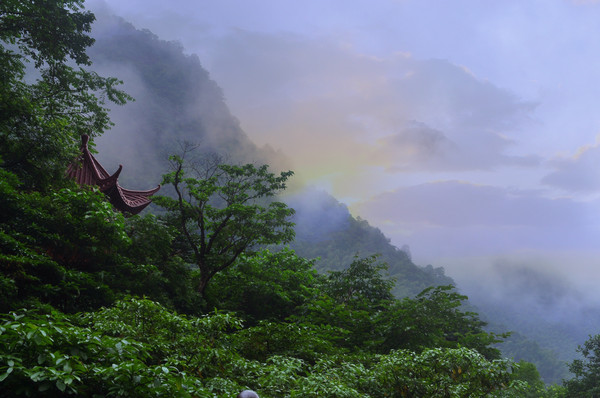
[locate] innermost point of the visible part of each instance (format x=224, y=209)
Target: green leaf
x=60, y=385
x=5, y=375
x=44, y=386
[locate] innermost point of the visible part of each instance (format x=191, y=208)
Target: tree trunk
x=205, y=276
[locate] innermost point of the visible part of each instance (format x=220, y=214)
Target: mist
x=176, y=102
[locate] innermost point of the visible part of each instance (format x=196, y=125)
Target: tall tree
x=269, y=285
x=45, y=109
x=363, y=281
x=586, y=371
x=224, y=210
x=436, y=317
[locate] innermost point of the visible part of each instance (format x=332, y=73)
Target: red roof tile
x=86, y=170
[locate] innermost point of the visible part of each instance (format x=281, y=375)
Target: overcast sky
x=467, y=129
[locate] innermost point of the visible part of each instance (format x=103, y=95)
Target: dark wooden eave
x=86, y=170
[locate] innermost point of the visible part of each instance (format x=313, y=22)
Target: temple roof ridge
x=86, y=170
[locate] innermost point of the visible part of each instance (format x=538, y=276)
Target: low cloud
x=539, y=285
x=414, y=146
x=535, y=286
x=454, y=218
x=579, y=173
x=338, y=111
x=460, y=204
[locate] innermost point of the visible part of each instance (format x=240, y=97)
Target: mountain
x=176, y=102
x=326, y=230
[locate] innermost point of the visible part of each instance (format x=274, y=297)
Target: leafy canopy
x=44, y=111
x=267, y=285
x=586, y=370
x=224, y=210
x=137, y=348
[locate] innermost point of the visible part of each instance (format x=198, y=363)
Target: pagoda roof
x=86, y=170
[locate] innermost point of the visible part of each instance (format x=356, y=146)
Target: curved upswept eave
x=86, y=170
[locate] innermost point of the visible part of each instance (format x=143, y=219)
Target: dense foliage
x=70, y=265
x=138, y=349
x=41, y=121
x=586, y=383
x=96, y=304
x=219, y=215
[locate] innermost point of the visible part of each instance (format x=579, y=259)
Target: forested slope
x=176, y=101
x=326, y=230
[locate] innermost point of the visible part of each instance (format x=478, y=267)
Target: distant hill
x=325, y=229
